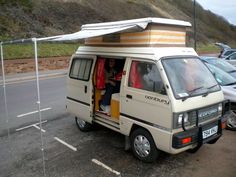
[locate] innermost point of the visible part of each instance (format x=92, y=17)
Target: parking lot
x=69, y=152
x=101, y=153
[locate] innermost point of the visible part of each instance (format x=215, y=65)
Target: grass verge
x=207, y=49
x=57, y=49
x=44, y=50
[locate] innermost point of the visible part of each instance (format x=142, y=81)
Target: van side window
x=80, y=69
x=145, y=76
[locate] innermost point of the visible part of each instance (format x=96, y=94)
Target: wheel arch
x=136, y=126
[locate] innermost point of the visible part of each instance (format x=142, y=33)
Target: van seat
x=115, y=96
x=103, y=92
x=115, y=105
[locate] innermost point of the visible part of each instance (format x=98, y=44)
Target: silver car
x=219, y=63
x=225, y=50
x=228, y=85
x=231, y=59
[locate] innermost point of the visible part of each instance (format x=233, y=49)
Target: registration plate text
x=209, y=132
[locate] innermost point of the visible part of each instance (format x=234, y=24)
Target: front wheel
x=83, y=125
x=143, y=146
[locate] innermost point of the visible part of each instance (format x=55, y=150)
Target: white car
x=228, y=85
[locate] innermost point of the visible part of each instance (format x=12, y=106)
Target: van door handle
x=85, y=89
x=129, y=96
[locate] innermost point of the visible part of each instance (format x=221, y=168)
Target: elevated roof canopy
x=100, y=29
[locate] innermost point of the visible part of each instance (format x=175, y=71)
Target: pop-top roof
x=99, y=29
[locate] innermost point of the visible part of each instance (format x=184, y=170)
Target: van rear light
x=186, y=140
x=223, y=125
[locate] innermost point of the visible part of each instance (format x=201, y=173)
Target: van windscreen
x=189, y=77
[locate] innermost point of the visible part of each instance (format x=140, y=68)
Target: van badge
x=207, y=113
x=157, y=99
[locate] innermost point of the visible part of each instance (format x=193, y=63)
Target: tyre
x=213, y=141
x=194, y=149
x=231, y=121
x=143, y=146
x=83, y=125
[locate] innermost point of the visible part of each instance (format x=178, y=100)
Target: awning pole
x=4, y=91
x=38, y=101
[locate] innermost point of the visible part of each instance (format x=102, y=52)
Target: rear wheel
x=143, y=145
x=231, y=121
x=83, y=125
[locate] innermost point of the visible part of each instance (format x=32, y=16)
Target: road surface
x=22, y=98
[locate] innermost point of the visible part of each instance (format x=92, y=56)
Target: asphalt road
x=71, y=153
x=22, y=98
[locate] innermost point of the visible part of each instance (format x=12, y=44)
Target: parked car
x=225, y=50
x=231, y=59
x=222, y=64
x=228, y=85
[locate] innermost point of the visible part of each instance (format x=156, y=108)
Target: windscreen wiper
x=232, y=71
x=194, y=90
x=191, y=92
x=208, y=88
x=230, y=84
x=212, y=86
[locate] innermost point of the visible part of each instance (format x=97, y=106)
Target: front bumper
x=195, y=135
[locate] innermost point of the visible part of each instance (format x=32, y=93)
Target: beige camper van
x=161, y=96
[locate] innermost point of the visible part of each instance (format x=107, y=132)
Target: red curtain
x=100, y=73
x=135, y=79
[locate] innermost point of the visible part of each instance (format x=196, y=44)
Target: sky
x=225, y=8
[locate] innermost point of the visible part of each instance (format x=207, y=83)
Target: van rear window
x=80, y=69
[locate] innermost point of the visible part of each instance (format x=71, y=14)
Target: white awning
x=94, y=32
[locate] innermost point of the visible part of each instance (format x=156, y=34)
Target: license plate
x=209, y=132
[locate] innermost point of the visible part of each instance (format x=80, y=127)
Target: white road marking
x=29, y=126
x=66, y=144
x=106, y=167
x=10, y=82
x=33, y=112
x=39, y=128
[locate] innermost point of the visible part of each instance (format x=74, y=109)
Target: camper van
x=143, y=82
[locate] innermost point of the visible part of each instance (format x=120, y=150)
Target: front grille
x=204, y=114
x=192, y=117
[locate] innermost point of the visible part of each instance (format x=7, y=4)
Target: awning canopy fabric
x=88, y=33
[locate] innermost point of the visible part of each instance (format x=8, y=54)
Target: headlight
x=220, y=107
x=184, y=116
x=181, y=117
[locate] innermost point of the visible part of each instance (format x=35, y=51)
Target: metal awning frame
x=24, y=41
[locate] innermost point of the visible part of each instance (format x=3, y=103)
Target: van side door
x=80, y=87
x=144, y=98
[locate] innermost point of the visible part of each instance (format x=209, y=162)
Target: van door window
x=80, y=69
x=145, y=76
